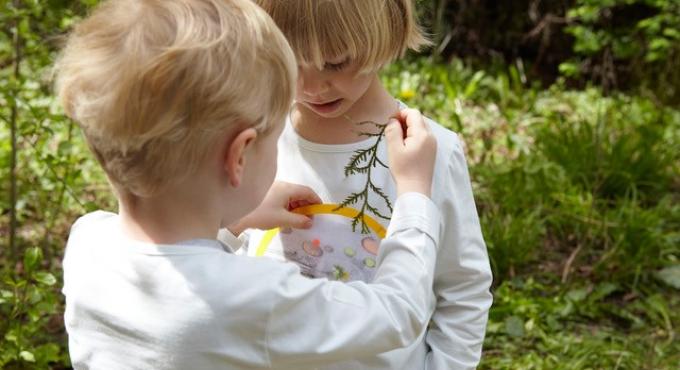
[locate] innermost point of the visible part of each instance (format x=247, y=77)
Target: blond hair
x=151, y=83
x=372, y=32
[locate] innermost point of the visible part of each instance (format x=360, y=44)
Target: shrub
x=31, y=308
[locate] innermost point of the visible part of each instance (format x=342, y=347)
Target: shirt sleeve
x=462, y=278
x=316, y=321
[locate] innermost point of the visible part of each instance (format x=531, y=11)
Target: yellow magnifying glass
x=317, y=209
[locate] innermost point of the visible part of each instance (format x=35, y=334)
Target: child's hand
x=412, y=150
x=275, y=209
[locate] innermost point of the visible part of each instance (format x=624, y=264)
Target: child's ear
x=235, y=158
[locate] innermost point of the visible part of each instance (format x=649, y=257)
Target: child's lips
x=327, y=107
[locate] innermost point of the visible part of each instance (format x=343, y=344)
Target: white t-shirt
x=462, y=274
x=196, y=305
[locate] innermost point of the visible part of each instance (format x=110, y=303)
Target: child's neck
x=375, y=105
x=175, y=215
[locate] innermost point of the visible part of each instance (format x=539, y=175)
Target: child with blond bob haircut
x=340, y=47
x=182, y=103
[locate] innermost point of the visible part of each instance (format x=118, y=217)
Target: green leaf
x=472, y=86
x=514, y=326
x=659, y=44
x=48, y=352
x=6, y=294
x=577, y=295
x=659, y=307
x=34, y=295
x=12, y=336
x=670, y=276
x=45, y=278
x=32, y=257
x=569, y=69
x=27, y=356
x=64, y=147
x=672, y=33
x=603, y=290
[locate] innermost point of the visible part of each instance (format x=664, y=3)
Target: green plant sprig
x=362, y=162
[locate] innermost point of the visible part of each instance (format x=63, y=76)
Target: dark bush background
x=618, y=44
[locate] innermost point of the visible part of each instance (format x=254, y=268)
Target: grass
x=593, y=326
x=578, y=198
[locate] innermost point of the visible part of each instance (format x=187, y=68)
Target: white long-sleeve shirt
x=196, y=305
x=462, y=274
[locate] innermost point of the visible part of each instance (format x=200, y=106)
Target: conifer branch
x=362, y=162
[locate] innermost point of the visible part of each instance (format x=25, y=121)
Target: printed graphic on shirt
x=331, y=248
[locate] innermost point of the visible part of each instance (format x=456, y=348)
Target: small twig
x=547, y=21
x=570, y=261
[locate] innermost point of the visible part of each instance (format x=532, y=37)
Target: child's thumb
x=297, y=221
x=394, y=134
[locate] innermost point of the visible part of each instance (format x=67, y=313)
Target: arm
x=314, y=321
x=462, y=277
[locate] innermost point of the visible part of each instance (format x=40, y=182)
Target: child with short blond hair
x=340, y=46
x=182, y=103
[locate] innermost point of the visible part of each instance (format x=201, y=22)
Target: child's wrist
x=404, y=187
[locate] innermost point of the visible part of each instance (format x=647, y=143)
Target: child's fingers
x=415, y=124
x=299, y=203
x=300, y=195
x=408, y=115
x=296, y=221
x=394, y=134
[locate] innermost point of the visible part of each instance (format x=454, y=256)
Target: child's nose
x=313, y=83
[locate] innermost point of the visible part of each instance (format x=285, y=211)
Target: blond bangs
x=370, y=32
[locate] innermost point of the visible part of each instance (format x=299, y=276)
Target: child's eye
x=336, y=66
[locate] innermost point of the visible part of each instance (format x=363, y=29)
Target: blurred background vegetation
x=570, y=110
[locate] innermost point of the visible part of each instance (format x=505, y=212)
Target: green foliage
x=52, y=166
x=559, y=171
x=670, y=275
x=621, y=45
x=539, y=325
x=30, y=305
x=52, y=162
x=637, y=38
x=608, y=152
x=578, y=198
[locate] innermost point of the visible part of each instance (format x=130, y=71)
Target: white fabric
x=194, y=305
x=462, y=273
x=330, y=249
